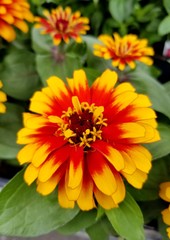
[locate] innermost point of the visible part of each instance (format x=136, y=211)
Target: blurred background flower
x=63, y=25
x=124, y=51
x=13, y=13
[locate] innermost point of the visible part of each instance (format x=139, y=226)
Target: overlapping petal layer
x=124, y=50
x=13, y=13
x=87, y=140
x=62, y=24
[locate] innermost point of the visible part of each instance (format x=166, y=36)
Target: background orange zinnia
x=12, y=14
x=124, y=50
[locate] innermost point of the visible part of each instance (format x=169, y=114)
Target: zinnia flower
x=165, y=195
x=13, y=13
x=63, y=25
x=3, y=99
x=87, y=140
x=124, y=51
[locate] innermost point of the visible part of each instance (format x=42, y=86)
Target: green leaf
x=78, y=50
x=167, y=87
x=19, y=75
x=164, y=26
x=147, y=12
x=97, y=233
x=144, y=83
x=60, y=60
x=166, y=4
x=100, y=212
x=162, y=228
x=81, y=221
x=151, y=209
x=161, y=148
x=47, y=66
x=10, y=123
x=121, y=9
x=38, y=2
x=127, y=219
x=92, y=74
x=101, y=230
x=24, y=212
x=41, y=43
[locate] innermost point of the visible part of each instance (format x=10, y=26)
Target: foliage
x=27, y=62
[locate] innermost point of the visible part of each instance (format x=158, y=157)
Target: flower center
x=81, y=124
x=62, y=25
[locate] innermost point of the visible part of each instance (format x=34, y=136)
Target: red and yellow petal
x=79, y=86
x=141, y=157
x=50, y=99
x=75, y=170
x=124, y=99
x=136, y=179
x=151, y=135
x=119, y=195
x=123, y=87
x=151, y=122
x=49, y=186
x=129, y=166
x=41, y=154
x=101, y=173
x=20, y=24
x=40, y=96
x=60, y=91
x=142, y=113
x=7, y=32
x=128, y=130
x=52, y=164
x=39, y=107
x=104, y=200
x=26, y=136
x=142, y=101
x=110, y=153
x=26, y=154
x=31, y=174
x=62, y=196
x=146, y=60
x=103, y=86
x=85, y=199
x=33, y=121
x=72, y=194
